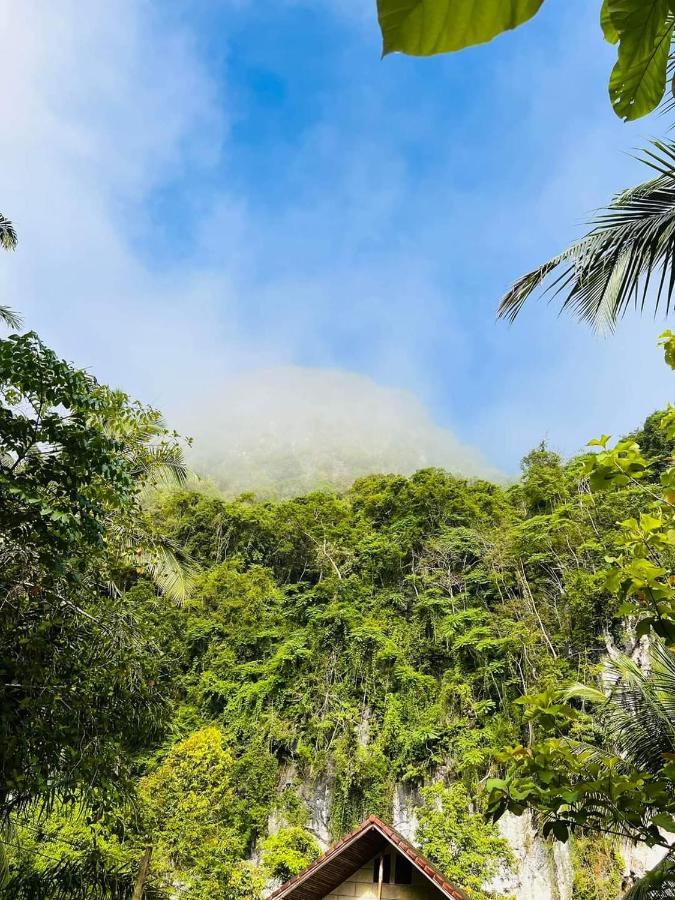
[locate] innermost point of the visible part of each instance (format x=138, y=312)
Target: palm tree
x=659, y=884
x=8, y=240
x=638, y=721
x=631, y=245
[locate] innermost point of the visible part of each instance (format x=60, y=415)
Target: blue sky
x=211, y=193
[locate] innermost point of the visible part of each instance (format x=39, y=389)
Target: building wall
x=361, y=886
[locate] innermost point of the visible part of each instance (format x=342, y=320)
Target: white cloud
x=289, y=429
x=109, y=106
x=362, y=265
x=105, y=108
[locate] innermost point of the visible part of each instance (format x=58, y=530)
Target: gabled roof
x=347, y=856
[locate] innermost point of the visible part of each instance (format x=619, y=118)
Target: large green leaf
x=645, y=32
x=425, y=27
x=606, y=23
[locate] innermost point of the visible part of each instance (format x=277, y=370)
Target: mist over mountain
x=287, y=430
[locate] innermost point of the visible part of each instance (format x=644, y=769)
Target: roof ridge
x=398, y=842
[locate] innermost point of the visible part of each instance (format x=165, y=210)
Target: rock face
x=639, y=859
x=404, y=811
x=542, y=871
x=316, y=795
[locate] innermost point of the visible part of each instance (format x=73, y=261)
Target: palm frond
x=578, y=691
x=640, y=717
x=10, y=318
x=8, y=236
x=8, y=240
x=631, y=245
x=636, y=709
x=657, y=884
x=89, y=876
x=156, y=556
x=173, y=575
x=162, y=464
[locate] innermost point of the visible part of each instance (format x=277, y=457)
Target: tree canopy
x=604, y=757
x=75, y=457
x=338, y=649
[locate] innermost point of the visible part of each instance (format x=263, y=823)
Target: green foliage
x=597, y=868
x=8, y=241
x=332, y=648
x=197, y=818
x=68, y=854
x=658, y=884
x=655, y=444
x=611, y=768
x=75, y=671
x=379, y=636
x=363, y=785
x=8, y=236
x=612, y=772
x=543, y=483
x=61, y=472
x=639, y=572
x=288, y=852
x=9, y=318
x=642, y=31
x=424, y=27
x=457, y=837
x=667, y=342
x=612, y=267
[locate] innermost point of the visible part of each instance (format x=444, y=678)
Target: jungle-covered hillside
x=335, y=650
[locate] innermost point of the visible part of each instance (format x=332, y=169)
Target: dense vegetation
x=331, y=646
x=603, y=761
